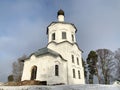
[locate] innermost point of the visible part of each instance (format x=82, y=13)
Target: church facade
x=60, y=62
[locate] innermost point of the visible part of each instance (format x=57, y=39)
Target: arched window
x=78, y=74
x=72, y=59
x=73, y=73
x=33, y=72
x=56, y=70
x=77, y=61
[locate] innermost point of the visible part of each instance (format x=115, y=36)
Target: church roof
x=44, y=51
x=67, y=42
x=62, y=23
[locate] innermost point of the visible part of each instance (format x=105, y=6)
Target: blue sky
x=23, y=26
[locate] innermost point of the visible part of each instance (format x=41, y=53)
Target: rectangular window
x=56, y=70
x=53, y=36
x=72, y=59
x=73, y=73
x=77, y=61
x=78, y=74
x=63, y=35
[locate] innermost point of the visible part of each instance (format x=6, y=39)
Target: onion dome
x=61, y=12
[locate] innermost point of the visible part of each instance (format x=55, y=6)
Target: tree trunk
x=98, y=75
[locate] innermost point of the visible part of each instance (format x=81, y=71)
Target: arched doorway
x=33, y=72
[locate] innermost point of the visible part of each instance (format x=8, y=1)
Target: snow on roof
x=44, y=51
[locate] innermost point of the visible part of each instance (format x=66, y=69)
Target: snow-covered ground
x=1, y=83
x=63, y=87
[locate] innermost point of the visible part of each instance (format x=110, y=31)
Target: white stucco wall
x=61, y=18
x=66, y=50
x=46, y=69
x=58, y=28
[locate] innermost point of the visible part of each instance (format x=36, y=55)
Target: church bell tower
x=61, y=31
x=61, y=38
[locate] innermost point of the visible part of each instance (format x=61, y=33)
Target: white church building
x=60, y=62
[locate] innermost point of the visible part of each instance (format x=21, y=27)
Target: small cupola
x=60, y=15
x=61, y=12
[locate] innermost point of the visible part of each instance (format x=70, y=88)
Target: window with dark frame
x=63, y=35
x=78, y=74
x=53, y=36
x=77, y=61
x=73, y=73
x=56, y=70
x=73, y=59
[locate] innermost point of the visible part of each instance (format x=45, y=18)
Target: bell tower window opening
x=63, y=35
x=53, y=36
x=72, y=37
x=56, y=70
x=73, y=73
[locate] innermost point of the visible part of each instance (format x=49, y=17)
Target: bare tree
x=18, y=68
x=117, y=56
x=105, y=57
x=85, y=69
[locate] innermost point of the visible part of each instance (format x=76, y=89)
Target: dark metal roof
x=60, y=12
x=44, y=51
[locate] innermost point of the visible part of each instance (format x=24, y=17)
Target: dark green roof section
x=45, y=50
